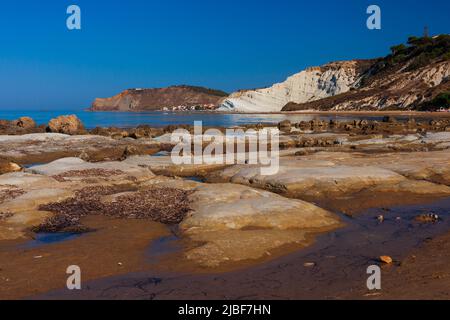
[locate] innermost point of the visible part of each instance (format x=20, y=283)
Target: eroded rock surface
x=349, y=179
x=46, y=147
x=164, y=165
x=237, y=223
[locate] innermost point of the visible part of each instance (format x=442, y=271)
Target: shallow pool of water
x=43, y=239
x=163, y=246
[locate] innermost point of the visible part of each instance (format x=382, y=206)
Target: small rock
x=138, y=133
x=427, y=218
x=120, y=264
x=386, y=259
x=309, y=265
x=84, y=156
x=129, y=151
x=380, y=218
x=302, y=153
x=372, y=294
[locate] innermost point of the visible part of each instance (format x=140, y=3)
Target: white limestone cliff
x=309, y=85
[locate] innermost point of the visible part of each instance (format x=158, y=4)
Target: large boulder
x=66, y=124
x=25, y=123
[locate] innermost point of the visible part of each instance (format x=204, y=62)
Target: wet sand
x=116, y=247
x=340, y=260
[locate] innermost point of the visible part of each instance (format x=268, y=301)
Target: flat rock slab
x=313, y=180
x=235, y=207
x=165, y=166
x=430, y=166
x=20, y=196
x=329, y=176
x=235, y=223
x=46, y=147
x=71, y=165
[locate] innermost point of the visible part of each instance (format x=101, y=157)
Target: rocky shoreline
x=63, y=178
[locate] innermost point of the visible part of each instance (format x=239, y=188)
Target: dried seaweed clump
x=165, y=205
x=9, y=193
x=103, y=173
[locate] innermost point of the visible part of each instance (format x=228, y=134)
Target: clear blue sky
x=229, y=44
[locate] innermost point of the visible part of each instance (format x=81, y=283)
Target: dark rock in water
x=138, y=134
x=389, y=119
x=333, y=123
x=66, y=124
x=285, y=126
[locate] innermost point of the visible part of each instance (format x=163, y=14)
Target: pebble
x=374, y=294
x=427, y=218
x=386, y=259
x=309, y=265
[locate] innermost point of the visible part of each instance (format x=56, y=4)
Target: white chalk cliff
x=309, y=85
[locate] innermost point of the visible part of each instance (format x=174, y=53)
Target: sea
x=160, y=119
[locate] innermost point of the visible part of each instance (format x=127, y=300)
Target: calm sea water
x=160, y=119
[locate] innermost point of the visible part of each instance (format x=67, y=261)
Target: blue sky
x=227, y=45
